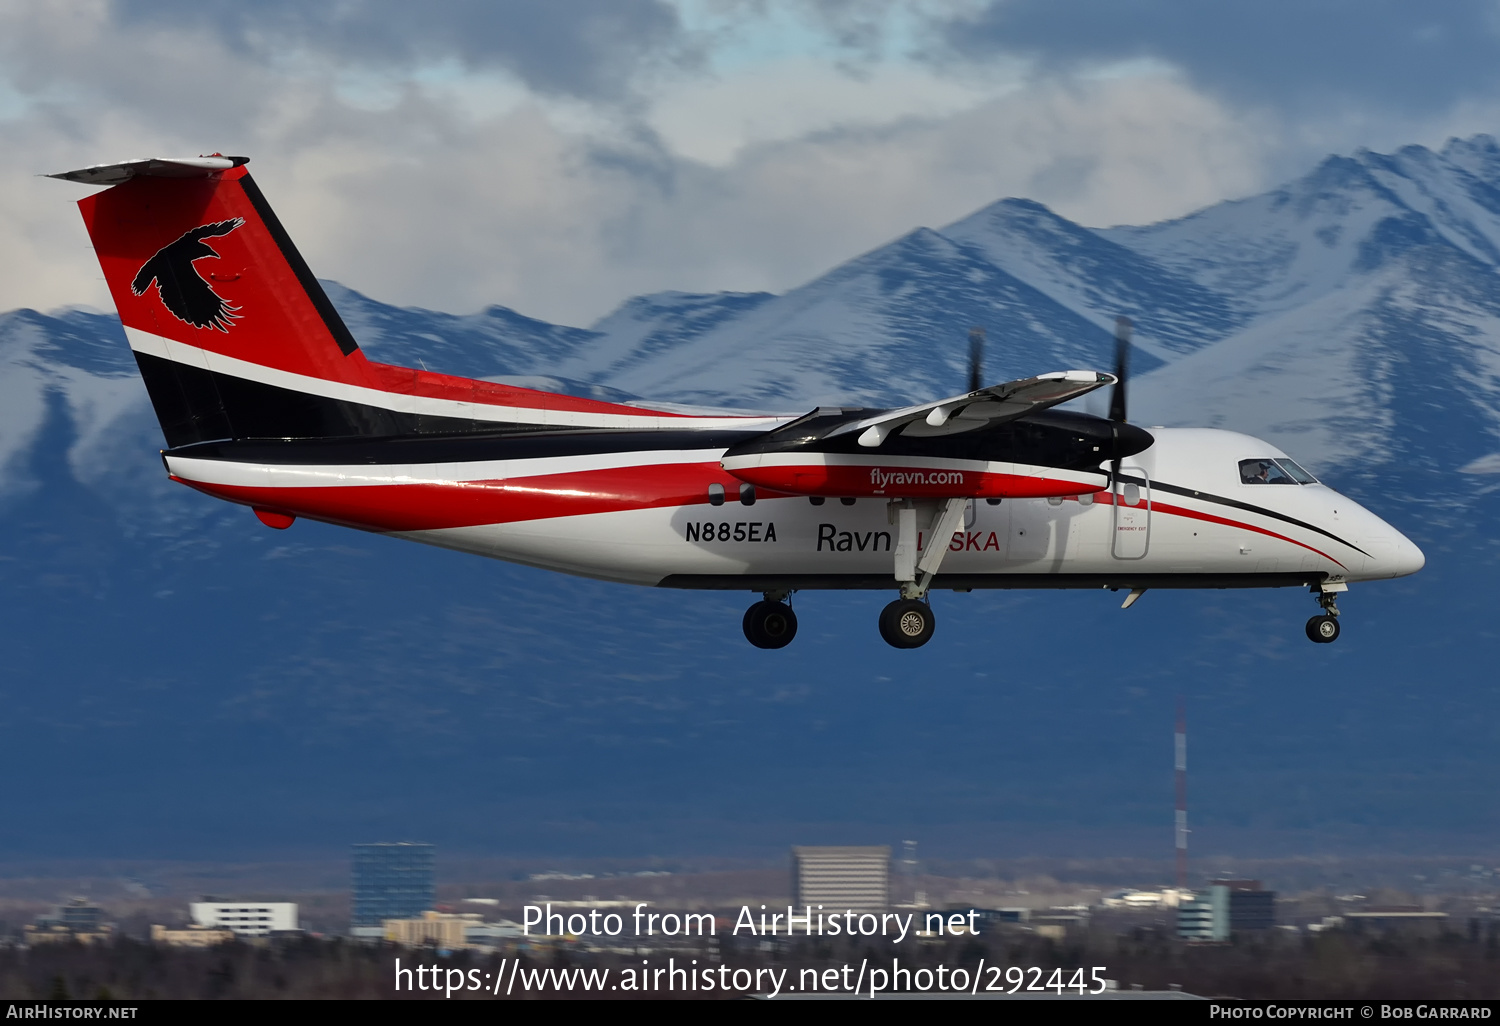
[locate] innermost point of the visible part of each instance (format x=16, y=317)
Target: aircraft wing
x=991, y=405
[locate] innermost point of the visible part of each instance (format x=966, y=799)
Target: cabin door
x=1131, y=492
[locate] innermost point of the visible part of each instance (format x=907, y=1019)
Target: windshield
x=1298, y=474
x=1264, y=471
x=1276, y=470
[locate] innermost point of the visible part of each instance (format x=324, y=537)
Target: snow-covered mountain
x=1371, y=288
x=1352, y=316
x=1326, y=315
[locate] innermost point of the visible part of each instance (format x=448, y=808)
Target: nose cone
x=1408, y=558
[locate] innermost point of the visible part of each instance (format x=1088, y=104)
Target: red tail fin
x=206, y=263
x=236, y=339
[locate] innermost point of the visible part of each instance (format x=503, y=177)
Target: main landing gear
x=770, y=623
x=1324, y=629
x=908, y=622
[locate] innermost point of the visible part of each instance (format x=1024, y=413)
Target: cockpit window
x=1298, y=474
x=1264, y=471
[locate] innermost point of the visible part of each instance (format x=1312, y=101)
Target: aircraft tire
x=1323, y=629
x=770, y=624
x=907, y=623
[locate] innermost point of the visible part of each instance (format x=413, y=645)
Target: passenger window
x=1265, y=471
x=1298, y=474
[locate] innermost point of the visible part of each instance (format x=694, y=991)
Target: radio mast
x=1181, y=773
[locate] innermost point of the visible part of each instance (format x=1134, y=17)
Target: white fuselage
x=1181, y=516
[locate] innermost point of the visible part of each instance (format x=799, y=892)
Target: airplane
x=266, y=400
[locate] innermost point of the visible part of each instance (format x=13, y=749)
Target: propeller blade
x=1123, y=328
x=976, y=359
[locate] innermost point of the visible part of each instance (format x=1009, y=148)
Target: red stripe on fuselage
x=431, y=385
x=1107, y=498
x=434, y=505
x=893, y=479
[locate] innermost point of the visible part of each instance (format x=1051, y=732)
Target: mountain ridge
x=200, y=672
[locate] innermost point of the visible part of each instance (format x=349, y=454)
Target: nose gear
x=1324, y=629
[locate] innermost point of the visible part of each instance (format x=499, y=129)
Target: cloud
x=1383, y=54
x=795, y=97
x=584, y=48
x=417, y=206
x=455, y=191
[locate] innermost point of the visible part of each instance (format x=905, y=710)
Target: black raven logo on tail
x=182, y=289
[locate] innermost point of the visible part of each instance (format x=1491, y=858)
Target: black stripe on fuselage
x=500, y=443
x=965, y=582
x=196, y=405
x=1249, y=507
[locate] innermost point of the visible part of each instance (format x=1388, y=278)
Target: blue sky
x=558, y=156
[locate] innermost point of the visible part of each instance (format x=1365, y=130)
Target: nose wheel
x=1324, y=629
x=906, y=623
x=770, y=623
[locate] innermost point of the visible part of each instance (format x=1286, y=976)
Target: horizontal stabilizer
x=156, y=167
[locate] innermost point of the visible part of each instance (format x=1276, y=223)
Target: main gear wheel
x=907, y=623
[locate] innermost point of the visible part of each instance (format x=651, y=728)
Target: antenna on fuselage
x=976, y=359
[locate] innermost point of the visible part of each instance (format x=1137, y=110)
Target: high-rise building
x=1251, y=907
x=840, y=878
x=79, y=916
x=391, y=881
x=1229, y=907
x=75, y=921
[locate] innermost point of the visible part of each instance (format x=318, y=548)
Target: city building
x=245, y=918
x=1251, y=907
x=1055, y=925
x=439, y=929
x=391, y=881
x=1391, y=917
x=54, y=934
x=191, y=936
x=1229, y=907
x=995, y=917
x=492, y=935
x=1168, y=897
x=80, y=917
x=75, y=921
x=1205, y=918
x=857, y=878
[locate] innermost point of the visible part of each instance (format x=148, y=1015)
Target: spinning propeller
x=1123, y=328
x=976, y=359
